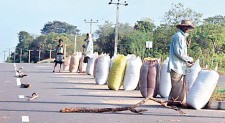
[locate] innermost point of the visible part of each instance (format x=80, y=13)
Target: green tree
x=178, y=13
x=134, y=43
x=25, y=39
x=162, y=38
x=218, y=19
x=145, y=25
x=59, y=27
x=105, y=40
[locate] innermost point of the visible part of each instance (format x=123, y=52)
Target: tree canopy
x=59, y=27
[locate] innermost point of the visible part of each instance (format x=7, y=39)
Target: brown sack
x=143, y=79
x=74, y=62
x=148, y=78
x=82, y=65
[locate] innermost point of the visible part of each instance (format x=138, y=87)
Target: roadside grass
x=218, y=94
x=221, y=71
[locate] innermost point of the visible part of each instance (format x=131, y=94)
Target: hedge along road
x=58, y=90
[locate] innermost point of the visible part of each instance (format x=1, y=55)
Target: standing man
x=59, y=55
x=178, y=61
x=88, y=48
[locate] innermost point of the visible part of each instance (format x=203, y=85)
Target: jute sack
x=148, y=78
x=66, y=63
x=82, y=65
x=74, y=62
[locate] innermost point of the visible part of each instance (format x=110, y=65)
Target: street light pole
x=117, y=22
x=39, y=55
x=14, y=58
x=29, y=55
x=50, y=53
x=4, y=55
x=75, y=43
x=21, y=50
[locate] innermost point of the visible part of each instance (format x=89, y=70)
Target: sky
x=32, y=15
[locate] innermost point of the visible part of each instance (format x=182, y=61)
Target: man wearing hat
x=178, y=60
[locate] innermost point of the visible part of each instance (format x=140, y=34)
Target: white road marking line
x=18, y=81
x=21, y=96
x=25, y=119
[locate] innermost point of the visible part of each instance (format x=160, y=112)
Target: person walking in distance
x=59, y=55
x=178, y=61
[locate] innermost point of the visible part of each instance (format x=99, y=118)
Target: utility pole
x=50, y=53
x=75, y=43
x=21, y=50
x=91, y=22
x=29, y=55
x=9, y=52
x=4, y=55
x=39, y=55
x=14, y=57
x=117, y=22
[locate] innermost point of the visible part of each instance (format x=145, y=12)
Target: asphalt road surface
x=58, y=90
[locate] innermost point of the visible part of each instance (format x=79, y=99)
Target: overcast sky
x=31, y=15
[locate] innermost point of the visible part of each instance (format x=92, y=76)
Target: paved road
x=58, y=90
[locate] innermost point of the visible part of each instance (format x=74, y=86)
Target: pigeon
x=19, y=70
x=25, y=85
x=21, y=75
x=32, y=97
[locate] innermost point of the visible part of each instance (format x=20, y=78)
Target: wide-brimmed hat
x=186, y=23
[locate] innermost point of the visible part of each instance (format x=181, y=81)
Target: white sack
x=192, y=74
x=202, y=89
x=132, y=73
x=165, y=80
x=102, y=69
x=90, y=65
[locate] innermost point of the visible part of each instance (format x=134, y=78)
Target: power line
x=90, y=22
x=117, y=21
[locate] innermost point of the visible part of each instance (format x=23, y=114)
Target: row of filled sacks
x=199, y=84
x=91, y=64
x=124, y=70
x=165, y=79
x=75, y=63
x=117, y=71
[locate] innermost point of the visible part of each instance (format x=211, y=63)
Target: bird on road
x=21, y=75
x=25, y=85
x=32, y=97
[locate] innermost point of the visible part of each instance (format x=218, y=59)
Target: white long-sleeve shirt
x=88, y=47
x=178, y=53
